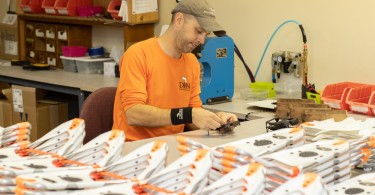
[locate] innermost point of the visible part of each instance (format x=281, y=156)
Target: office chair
x=97, y=111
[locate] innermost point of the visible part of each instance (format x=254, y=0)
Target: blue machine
x=217, y=70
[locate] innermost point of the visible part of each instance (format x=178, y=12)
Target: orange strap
x=100, y=175
x=61, y=161
x=27, y=151
x=75, y=123
x=309, y=179
x=139, y=188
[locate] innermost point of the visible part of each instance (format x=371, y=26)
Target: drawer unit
x=51, y=46
x=62, y=33
x=40, y=30
x=43, y=41
x=51, y=32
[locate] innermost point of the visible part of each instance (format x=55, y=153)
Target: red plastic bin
x=74, y=51
x=371, y=103
x=113, y=9
x=69, y=7
x=49, y=6
x=358, y=99
x=31, y=6
x=335, y=95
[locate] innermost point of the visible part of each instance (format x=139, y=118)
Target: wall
x=4, y=7
x=108, y=37
x=339, y=32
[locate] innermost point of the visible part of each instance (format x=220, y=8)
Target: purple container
x=74, y=51
x=87, y=11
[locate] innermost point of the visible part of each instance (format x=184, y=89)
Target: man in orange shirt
x=159, y=87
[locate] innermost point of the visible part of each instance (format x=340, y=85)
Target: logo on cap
x=211, y=11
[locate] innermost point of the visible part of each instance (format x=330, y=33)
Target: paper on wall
x=10, y=47
x=10, y=19
x=144, y=6
x=17, y=100
x=123, y=12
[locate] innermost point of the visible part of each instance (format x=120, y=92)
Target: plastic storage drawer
x=31, y=6
x=49, y=6
x=359, y=98
x=69, y=7
x=113, y=9
x=88, y=65
x=335, y=95
x=69, y=64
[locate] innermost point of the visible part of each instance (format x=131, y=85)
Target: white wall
x=340, y=35
x=108, y=37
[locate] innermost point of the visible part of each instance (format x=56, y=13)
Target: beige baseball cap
x=203, y=13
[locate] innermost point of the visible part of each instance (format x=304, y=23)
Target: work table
x=57, y=80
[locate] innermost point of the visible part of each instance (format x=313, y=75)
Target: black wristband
x=181, y=115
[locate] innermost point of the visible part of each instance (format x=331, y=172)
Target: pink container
x=74, y=51
x=70, y=7
x=87, y=11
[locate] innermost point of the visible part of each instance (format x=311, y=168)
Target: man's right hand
x=205, y=119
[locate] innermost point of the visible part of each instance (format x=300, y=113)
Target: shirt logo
x=184, y=85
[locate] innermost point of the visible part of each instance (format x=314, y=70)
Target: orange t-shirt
x=149, y=76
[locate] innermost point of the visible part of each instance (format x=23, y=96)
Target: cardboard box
x=8, y=42
x=43, y=115
x=5, y=105
x=5, y=113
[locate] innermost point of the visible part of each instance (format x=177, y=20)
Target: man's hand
x=227, y=117
x=207, y=120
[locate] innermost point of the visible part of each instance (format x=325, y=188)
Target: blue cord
x=265, y=49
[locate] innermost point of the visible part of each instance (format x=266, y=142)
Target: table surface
x=244, y=130
x=255, y=126
x=84, y=82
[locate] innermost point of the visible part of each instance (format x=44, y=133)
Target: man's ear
x=179, y=18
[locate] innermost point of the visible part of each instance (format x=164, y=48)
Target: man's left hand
x=226, y=117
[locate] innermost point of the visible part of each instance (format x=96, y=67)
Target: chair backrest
x=97, y=111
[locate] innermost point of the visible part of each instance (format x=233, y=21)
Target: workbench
x=254, y=124
x=244, y=130
x=57, y=80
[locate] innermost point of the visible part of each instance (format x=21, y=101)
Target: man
x=159, y=87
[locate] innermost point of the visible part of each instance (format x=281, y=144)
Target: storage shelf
x=78, y=20
x=139, y=27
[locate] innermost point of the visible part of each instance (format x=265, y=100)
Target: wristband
x=181, y=115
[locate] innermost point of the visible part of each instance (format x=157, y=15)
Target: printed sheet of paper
x=123, y=12
x=10, y=19
x=10, y=47
x=144, y=6
x=17, y=100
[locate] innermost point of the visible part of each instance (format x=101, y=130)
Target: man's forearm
x=148, y=116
